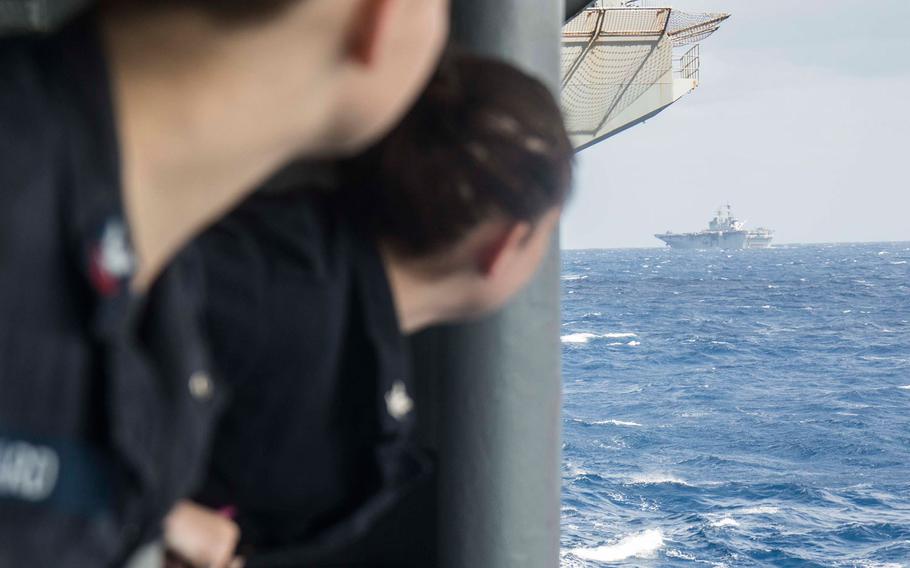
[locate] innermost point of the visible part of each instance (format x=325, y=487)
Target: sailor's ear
x=367, y=28
x=499, y=248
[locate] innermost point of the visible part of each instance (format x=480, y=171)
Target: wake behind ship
x=724, y=232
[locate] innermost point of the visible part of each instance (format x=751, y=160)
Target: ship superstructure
x=724, y=231
x=759, y=238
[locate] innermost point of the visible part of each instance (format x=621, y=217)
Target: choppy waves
x=626, y=423
x=657, y=479
x=711, y=419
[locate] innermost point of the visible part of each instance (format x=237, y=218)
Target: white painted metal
x=622, y=64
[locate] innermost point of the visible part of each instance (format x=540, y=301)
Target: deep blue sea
x=738, y=409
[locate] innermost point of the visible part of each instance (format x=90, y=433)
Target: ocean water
x=746, y=408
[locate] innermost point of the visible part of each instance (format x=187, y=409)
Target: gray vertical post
x=499, y=390
x=36, y=15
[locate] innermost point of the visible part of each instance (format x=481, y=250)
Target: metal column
x=498, y=389
x=36, y=15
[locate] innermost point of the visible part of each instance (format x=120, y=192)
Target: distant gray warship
x=724, y=232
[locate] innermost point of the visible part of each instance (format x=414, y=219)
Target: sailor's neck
x=423, y=298
x=205, y=113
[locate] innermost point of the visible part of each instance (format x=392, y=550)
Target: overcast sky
x=801, y=122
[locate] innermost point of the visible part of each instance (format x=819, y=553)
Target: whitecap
x=657, y=479
x=694, y=414
x=579, y=472
x=633, y=343
x=898, y=262
x=725, y=522
x=673, y=553
x=617, y=423
x=574, y=277
x=579, y=338
x=760, y=510
x=642, y=545
x=905, y=387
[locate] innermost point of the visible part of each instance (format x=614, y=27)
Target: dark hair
x=483, y=140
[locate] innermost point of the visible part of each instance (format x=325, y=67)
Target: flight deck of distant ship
x=724, y=232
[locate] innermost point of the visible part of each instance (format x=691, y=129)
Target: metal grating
x=613, y=77
x=686, y=29
x=612, y=56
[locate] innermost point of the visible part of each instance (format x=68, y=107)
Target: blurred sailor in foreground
x=120, y=137
x=311, y=295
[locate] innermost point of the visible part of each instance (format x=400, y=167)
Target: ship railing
x=687, y=65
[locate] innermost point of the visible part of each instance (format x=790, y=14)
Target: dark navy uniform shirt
x=315, y=442
x=105, y=401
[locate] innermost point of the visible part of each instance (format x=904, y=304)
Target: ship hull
x=759, y=242
x=725, y=240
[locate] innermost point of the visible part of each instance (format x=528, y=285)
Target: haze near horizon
x=800, y=123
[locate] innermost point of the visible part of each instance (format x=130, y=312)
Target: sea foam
x=642, y=545
x=616, y=423
x=760, y=510
x=581, y=338
x=657, y=479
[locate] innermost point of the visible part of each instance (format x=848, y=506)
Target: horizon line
x=777, y=245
